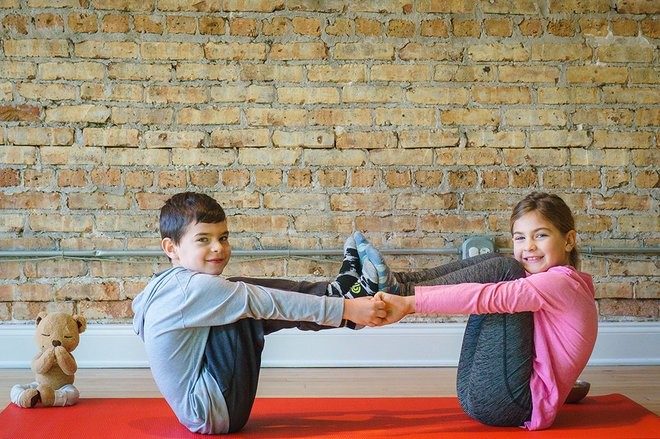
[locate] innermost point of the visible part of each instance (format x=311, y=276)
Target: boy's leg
x=349, y=283
x=315, y=288
x=233, y=352
x=233, y=357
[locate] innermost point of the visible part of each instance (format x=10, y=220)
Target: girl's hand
x=366, y=311
x=397, y=307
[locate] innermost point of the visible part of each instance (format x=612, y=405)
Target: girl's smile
x=538, y=245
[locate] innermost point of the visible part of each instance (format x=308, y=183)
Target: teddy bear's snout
x=57, y=343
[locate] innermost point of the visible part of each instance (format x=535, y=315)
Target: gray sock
x=374, y=266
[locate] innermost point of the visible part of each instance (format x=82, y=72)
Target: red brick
x=27, y=113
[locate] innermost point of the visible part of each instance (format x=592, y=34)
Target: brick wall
x=417, y=121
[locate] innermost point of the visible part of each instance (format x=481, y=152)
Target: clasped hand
x=381, y=309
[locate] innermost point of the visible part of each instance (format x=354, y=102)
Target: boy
x=204, y=334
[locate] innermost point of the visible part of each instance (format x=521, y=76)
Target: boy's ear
x=168, y=246
x=571, y=238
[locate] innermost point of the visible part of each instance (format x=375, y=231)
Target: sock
x=351, y=281
x=348, y=273
x=354, y=279
x=367, y=282
x=366, y=285
x=374, y=266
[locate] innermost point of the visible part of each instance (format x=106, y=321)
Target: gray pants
x=233, y=351
x=496, y=357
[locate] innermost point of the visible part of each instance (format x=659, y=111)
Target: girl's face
x=204, y=247
x=538, y=245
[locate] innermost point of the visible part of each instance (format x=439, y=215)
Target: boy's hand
x=397, y=307
x=365, y=311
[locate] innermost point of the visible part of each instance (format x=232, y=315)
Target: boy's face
x=204, y=247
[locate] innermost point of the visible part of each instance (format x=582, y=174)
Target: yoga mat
x=608, y=416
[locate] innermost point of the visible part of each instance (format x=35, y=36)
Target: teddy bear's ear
x=42, y=315
x=81, y=321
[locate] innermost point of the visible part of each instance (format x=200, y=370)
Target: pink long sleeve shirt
x=565, y=326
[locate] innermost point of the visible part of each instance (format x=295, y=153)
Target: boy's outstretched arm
x=397, y=307
x=365, y=311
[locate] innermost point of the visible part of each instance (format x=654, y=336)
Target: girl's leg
x=403, y=283
x=495, y=367
x=430, y=276
x=496, y=357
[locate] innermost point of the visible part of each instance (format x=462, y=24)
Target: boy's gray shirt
x=173, y=315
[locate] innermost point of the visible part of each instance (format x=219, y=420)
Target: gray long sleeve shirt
x=173, y=315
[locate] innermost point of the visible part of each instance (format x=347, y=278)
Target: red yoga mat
x=609, y=416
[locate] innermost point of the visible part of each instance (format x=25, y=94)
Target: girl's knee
x=511, y=269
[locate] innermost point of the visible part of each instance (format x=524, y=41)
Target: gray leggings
x=496, y=357
x=233, y=351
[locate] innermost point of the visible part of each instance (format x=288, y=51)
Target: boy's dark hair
x=188, y=208
x=554, y=209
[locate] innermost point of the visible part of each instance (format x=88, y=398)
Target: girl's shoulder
x=570, y=271
x=561, y=270
x=565, y=275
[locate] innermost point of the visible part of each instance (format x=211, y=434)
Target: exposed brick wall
x=419, y=122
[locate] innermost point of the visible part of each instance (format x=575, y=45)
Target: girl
x=531, y=331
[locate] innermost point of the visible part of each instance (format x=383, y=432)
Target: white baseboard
x=399, y=345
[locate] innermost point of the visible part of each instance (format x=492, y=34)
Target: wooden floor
x=641, y=384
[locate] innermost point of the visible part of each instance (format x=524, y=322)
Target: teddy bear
x=57, y=335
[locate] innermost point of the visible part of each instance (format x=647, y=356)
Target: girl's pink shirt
x=565, y=326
